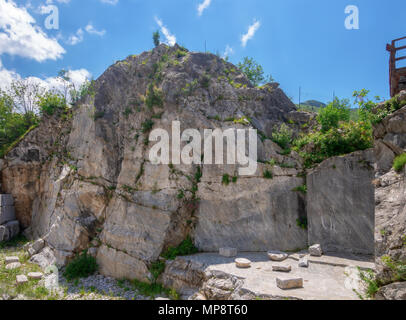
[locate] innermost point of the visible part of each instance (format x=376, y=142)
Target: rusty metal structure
x=397, y=76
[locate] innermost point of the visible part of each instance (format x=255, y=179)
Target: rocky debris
x=220, y=286
x=277, y=255
x=315, y=250
x=393, y=291
x=228, y=252
x=14, y=265
x=289, y=283
x=303, y=263
x=282, y=268
x=21, y=279
x=35, y=275
x=44, y=258
x=340, y=204
x=242, y=263
x=12, y=260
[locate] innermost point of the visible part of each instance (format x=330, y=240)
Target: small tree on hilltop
x=156, y=37
x=253, y=71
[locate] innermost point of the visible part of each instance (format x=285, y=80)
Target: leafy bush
x=253, y=71
x=399, y=162
x=347, y=138
x=225, y=180
x=156, y=38
x=336, y=111
x=147, y=126
x=268, y=174
x=184, y=249
x=157, y=268
x=51, y=102
x=82, y=266
x=283, y=136
x=154, y=97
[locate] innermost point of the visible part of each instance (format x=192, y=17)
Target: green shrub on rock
x=82, y=266
x=399, y=162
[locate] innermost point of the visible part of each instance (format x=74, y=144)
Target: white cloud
x=228, y=52
x=19, y=35
x=76, y=38
x=170, y=38
x=252, y=29
x=203, y=6
x=79, y=36
x=112, y=2
x=91, y=29
x=78, y=77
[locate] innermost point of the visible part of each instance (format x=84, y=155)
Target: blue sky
x=299, y=42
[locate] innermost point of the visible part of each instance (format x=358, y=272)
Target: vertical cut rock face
x=390, y=193
x=86, y=174
x=340, y=204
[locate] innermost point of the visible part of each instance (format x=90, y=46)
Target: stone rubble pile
x=283, y=283
x=9, y=226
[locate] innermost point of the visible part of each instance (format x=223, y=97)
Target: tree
x=25, y=95
x=12, y=124
x=156, y=38
x=253, y=71
x=336, y=111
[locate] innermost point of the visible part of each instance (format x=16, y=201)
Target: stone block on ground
x=35, y=275
x=315, y=250
x=13, y=228
x=6, y=200
x=38, y=245
x=21, y=279
x=4, y=234
x=289, y=283
x=228, y=252
x=14, y=265
x=7, y=214
x=303, y=263
x=12, y=260
x=277, y=255
x=242, y=263
x=282, y=268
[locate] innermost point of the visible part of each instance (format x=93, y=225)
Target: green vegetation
x=371, y=284
x=154, y=97
x=184, y=249
x=154, y=289
x=330, y=116
x=82, y=266
x=253, y=71
x=17, y=241
x=399, y=162
x=147, y=125
x=302, y=223
x=157, y=268
x=283, y=137
x=226, y=179
x=268, y=174
x=302, y=189
x=338, y=135
x=156, y=37
x=398, y=269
